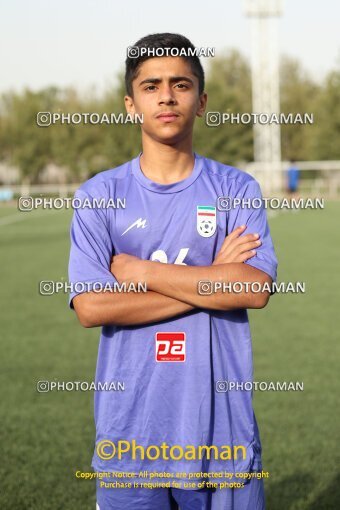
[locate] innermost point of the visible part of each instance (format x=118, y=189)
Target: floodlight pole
x=264, y=16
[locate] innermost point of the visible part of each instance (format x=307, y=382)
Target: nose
x=166, y=95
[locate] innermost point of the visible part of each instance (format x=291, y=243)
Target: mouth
x=167, y=116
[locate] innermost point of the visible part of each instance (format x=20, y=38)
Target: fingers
x=247, y=238
x=237, y=247
x=237, y=232
x=241, y=248
x=232, y=236
x=237, y=241
x=239, y=253
x=246, y=256
x=244, y=251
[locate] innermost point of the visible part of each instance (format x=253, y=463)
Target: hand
x=236, y=248
x=128, y=268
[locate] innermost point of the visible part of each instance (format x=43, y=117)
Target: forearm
x=126, y=309
x=182, y=282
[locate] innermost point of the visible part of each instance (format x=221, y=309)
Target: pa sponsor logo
x=170, y=346
x=206, y=220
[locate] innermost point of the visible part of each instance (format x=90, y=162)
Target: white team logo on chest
x=206, y=220
x=140, y=223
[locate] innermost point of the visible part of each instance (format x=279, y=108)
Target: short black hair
x=163, y=40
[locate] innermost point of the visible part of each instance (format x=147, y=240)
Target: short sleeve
x=253, y=214
x=91, y=249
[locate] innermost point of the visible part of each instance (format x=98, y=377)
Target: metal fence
x=317, y=179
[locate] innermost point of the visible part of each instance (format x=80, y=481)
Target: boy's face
x=166, y=93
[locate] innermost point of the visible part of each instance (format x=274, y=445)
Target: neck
x=167, y=164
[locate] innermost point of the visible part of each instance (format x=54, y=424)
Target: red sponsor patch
x=170, y=346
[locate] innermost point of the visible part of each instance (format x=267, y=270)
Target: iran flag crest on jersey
x=206, y=220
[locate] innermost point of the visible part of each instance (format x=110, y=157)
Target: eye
x=182, y=86
x=150, y=87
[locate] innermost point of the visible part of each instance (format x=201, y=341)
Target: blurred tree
x=299, y=94
x=326, y=140
x=85, y=149
x=23, y=142
x=228, y=86
x=121, y=142
x=76, y=145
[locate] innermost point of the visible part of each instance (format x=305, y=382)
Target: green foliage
x=85, y=149
x=229, y=90
x=22, y=143
x=327, y=133
x=299, y=94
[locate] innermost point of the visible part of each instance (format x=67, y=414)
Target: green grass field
x=46, y=437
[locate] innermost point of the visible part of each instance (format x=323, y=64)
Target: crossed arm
x=173, y=289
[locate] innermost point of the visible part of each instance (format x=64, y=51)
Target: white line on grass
x=13, y=218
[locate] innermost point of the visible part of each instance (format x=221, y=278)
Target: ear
x=129, y=105
x=202, y=104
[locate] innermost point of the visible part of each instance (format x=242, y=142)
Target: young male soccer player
x=177, y=345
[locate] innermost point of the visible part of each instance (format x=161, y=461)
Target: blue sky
x=83, y=42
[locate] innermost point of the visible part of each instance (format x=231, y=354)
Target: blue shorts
x=249, y=497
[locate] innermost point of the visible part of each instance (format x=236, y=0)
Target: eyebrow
x=173, y=79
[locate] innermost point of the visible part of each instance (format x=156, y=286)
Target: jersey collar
x=166, y=188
